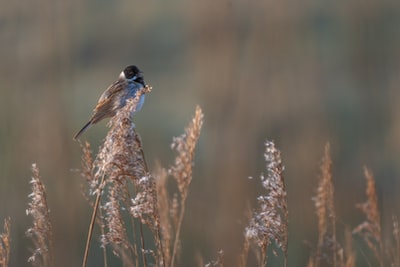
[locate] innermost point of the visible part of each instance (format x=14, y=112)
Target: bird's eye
x=129, y=74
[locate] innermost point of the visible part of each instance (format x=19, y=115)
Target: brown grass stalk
x=5, y=243
x=327, y=247
x=120, y=163
x=164, y=207
x=116, y=235
x=91, y=181
x=41, y=232
x=370, y=230
x=345, y=255
x=269, y=221
x=181, y=171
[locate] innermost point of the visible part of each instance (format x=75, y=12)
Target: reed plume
x=120, y=170
x=167, y=212
x=182, y=169
x=269, y=221
x=327, y=246
x=41, y=232
x=370, y=230
x=5, y=243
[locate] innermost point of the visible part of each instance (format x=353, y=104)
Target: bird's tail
x=84, y=128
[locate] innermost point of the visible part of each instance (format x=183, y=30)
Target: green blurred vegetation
x=299, y=73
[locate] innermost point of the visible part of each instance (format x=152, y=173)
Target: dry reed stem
x=41, y=232
x=349, y=257
x=164, y=207
x=245, y=252
x=370, y=229
x=116, y=234
x=92, y=182
x=181, y=171
x=270, y=221
x=327, y=247
x=185, y=145
x=346, y=256
x=121, y=162
x=5, y=243
x=87, y=163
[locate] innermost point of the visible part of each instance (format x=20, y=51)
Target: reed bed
x=141, y=218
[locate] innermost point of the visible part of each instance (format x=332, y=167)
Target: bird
x=115, y=96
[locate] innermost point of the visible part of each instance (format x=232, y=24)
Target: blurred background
x=299, y=73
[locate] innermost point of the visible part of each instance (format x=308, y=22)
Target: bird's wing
x=105, y=106
x=109, y=92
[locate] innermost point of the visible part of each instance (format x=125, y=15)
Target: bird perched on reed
x=115, y=96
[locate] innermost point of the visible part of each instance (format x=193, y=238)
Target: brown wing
x=105, y=107
x=111, y=90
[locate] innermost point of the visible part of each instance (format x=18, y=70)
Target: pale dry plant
x=116, y=234
x=144, y=207
x=5, y=243
x=120, y=168
x=219, y=262
x=41, y=232
x=327, y=247
x=87, y=169
x=92, y=182
x=345, y=255
x=370, y=230
x=269, y=221
x=182, y=169
x=394, y=248
x=166, y=212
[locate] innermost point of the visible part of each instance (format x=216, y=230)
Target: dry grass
x=141, y=220
x=181, y=171
x=219, y=262
x=5, y=243
x=165, y=208
x=327, y=246
x=120, y=170
x=41, y=232
x=329, y=252
x=270, y=221
x=370, y=229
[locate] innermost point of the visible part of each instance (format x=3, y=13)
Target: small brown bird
x=115, y=96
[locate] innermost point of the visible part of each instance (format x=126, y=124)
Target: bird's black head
x=134, y=74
